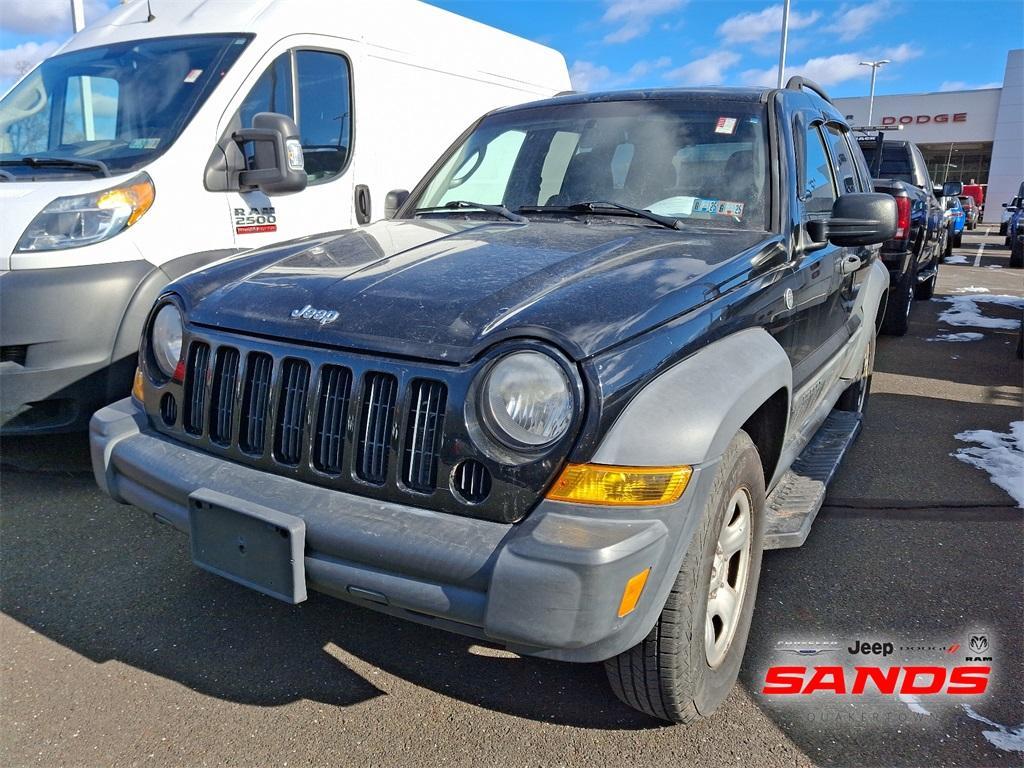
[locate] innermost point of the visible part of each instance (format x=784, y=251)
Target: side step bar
x=793, y=505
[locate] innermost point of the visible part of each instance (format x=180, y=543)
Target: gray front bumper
x=547, y=586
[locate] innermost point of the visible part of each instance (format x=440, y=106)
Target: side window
x=324, y=115
x=846, y=170
x=90, y=109
x=272, y=92
x=861, y=162
x=325, y=112
x=920, y=167
x=818, y=193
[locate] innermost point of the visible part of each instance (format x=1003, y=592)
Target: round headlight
x=527, y=401
x=165, y=339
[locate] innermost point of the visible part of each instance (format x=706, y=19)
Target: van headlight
x=526, y=401
x=71, y=222
x=165, y=339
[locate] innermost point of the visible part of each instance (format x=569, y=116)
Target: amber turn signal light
x=137, y=392
x=620, y=486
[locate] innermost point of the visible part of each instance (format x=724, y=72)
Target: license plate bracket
x=248, y=543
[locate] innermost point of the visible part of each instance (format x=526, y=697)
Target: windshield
x=704, y=163
x=121, y=104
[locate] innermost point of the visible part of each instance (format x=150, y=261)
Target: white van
x=123, y=160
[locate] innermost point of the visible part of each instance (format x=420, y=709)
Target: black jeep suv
x=609, y=349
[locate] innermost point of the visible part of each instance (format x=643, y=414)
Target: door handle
x=362, y=204
x=850, y=264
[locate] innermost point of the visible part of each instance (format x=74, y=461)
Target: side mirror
x=276, y=165
x=394, y=200
x=952, y=189
x=1006, y=205
x=858, y=218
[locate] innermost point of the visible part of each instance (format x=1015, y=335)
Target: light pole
x=875, y=66
x=782, y=45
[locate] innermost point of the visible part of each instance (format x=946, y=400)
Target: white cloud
x=852, y=21
x=709, y=70
x=16, y=61
x=633, y=17
x=46, y=17
x=960, y=85
x=754, y=26
x=830, y=70
x=588, y=76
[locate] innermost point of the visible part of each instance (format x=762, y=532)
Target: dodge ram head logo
x=979, y=643
x=324, y=316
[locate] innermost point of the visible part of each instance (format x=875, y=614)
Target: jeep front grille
x=331, y=418
x=195, y=386
x=255, y=398
x=423, y=434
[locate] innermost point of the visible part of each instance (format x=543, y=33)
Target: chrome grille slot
x=255, y=397
x=196, y=370
x=291, y=411
x=380, y=390
x=331, y=417
x=222, y=395
x=423, y=434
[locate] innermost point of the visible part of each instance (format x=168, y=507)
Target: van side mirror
x=858, y=218
x=394, y=200
x=276, y=165
x=952, y=189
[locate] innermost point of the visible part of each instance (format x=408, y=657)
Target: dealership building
x=969, y=136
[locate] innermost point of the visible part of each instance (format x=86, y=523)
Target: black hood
x=446, y=289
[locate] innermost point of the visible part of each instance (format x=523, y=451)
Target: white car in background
x=143, y=150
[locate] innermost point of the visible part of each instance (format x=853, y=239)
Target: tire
x=1017, y=254
x=1002, y=228
x=669, y=674
x=958, y=239
x=855, y=397
x=897, y=311
x=947, y=249
x=926, y=290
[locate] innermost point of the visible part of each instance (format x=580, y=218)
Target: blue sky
x=934, y=45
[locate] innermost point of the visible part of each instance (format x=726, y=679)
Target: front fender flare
x=690, y=413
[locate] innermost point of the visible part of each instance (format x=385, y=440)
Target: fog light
x=137, y=392
x=631, y=594
x=620, y=486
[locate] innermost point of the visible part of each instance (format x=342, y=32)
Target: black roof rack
x=797, y=82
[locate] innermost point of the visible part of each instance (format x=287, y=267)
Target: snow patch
x=964, y=336
x=971, y=289
x=966, y=310
x=1001, y=455
x=1004, y=737
x=955, y=260
x=913, y=703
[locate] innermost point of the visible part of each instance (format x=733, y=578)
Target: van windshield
x=112, y=108
x=703, y=162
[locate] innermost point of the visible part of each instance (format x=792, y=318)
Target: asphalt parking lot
x=116, y=651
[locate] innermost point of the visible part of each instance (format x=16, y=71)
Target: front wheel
x=958, y=239
x=689, y=662
x=1017, y=253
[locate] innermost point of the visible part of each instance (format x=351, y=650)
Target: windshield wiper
x=497, y=210
x=37, y=161
x=594, y=206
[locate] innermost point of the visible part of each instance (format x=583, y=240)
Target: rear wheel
x=855, y=398
x=689, y=662
x=897, y=311
x=947, y=249
x=926, y=289
x=958, y=239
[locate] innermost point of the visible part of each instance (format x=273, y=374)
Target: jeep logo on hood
x=325, y=316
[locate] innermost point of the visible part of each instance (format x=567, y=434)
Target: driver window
x=818, y=192
x=846, y=170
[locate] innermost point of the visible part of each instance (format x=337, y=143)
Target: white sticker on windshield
x=673, y=206
x=193, y=75
x=718, y=207
x=726, y=125
x=143, y=143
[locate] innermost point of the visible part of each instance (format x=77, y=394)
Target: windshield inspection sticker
x=193, y=75
x=719, y=207
x=726, y=125
x=143, y=143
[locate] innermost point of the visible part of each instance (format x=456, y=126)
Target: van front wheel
x=689, y=662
